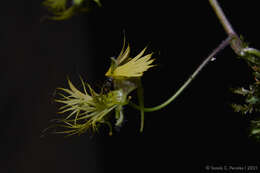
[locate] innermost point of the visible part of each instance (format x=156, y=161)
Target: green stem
x=181, y=89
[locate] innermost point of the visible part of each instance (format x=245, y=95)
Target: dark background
x=198, y=129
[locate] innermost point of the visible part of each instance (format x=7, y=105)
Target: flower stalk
x=225, y=43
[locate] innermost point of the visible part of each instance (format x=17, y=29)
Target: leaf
x=241, y=91
x=252, y=100
x=240, y=108
x=252, y=51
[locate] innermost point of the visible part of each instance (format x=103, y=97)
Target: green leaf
x=252, y=51
x=252, y=100
x=240, y=108
x=241, y=91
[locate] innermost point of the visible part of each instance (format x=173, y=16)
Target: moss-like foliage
x=250, y=93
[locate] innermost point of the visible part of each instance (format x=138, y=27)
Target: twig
x=236, y=43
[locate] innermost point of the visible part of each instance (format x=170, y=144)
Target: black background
x=197, y=130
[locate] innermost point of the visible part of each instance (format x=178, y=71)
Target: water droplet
x=213, y=59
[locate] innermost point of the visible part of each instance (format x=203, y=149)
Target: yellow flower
x=55, y=5
x=126, y=67
x=61, y=10
x=87, y=111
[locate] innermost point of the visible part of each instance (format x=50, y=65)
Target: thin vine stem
x=225, y=43
x=232, y=39
x=236, y=43
x=222, y=17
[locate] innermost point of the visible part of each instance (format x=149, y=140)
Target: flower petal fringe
x=87, y=111
x=130, y=67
